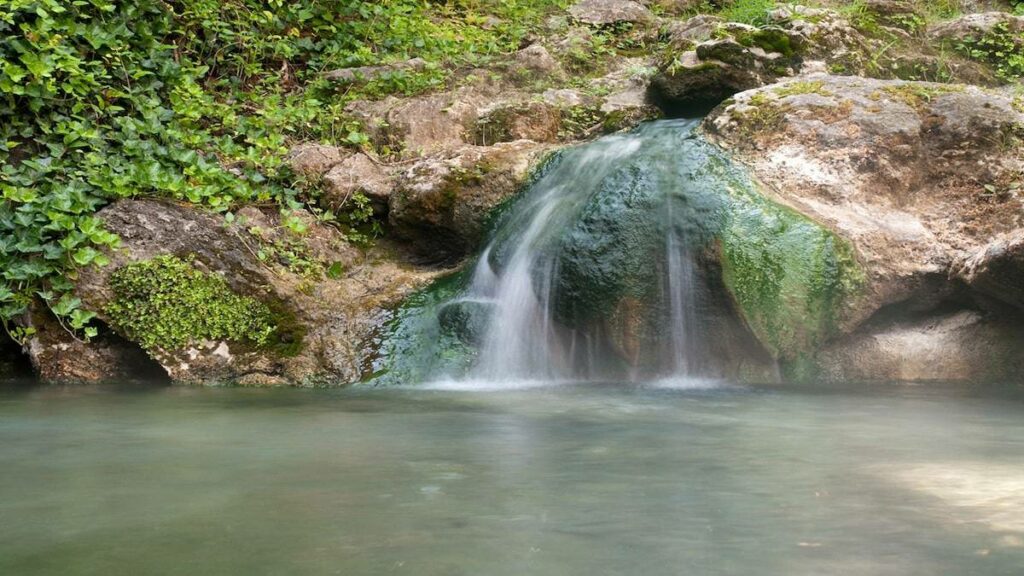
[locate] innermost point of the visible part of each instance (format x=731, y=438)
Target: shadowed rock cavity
x=14, y=364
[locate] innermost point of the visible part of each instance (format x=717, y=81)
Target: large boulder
x=441, y=203
x=913, y=175
x=322, y=295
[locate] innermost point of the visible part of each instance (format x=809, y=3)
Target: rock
x=537, y=121
x=962, y=346
x=708, y=60
x=323, y=322
x=358, y=174
x=696, y=29
x=901, y=170
x=368, y=73
x=605, y=12
x=691, y=84
x=678, y=7
x=427, y=124
x=890, y=7
x=441, y=203
x=975, y=26
x=537, y=62
x=14, y=364
x=567, y=98
x=997, y=269
x=60, y=358
x=312, y=160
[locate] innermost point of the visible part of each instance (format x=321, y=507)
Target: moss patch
x=789, y=276
x=918, y=96
x=802, y=87
x=167, y=304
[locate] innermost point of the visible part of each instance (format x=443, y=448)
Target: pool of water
x=557, y=480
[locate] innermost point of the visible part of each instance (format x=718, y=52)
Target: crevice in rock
x=15, y=366
x=691, y=108
x=135, y=364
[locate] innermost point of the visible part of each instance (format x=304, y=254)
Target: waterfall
x=524, y=339
x=597, y=271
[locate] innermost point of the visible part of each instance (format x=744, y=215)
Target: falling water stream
x=598, y=271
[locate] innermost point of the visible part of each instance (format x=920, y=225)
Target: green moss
x=768, y=39
x=802, y=87
x=762, y=114
x=919, y=96
x=789, y=275
x=167, y=304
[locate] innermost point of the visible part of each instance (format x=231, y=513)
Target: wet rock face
x=910, y=175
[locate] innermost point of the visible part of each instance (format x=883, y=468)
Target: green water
x=595, y=479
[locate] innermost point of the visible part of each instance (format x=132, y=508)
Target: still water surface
x=564, y=480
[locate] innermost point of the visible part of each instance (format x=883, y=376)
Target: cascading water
x=611, y=265
x=519, y=275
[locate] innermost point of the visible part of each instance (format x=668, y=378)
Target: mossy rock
x=167, y=304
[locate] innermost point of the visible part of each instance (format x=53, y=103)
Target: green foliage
x=1001, y=48
x=748, y=11
x=194, y=100
x=167, y=304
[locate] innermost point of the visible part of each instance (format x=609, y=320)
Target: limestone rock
x=604, y=12
x=997, y=269
x=441, y=203
x=59, y=357
x=368, y=73
x=358, y=174
x=975, y=26
x=899, y=169
x=538, y=62
x=314, y=160
x=696, y=29
x=709, y=60
x=427, y=124
x=537, y=121
x=323, y=322
x=962, y=346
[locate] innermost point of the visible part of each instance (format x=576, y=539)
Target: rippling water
x=685, y=477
